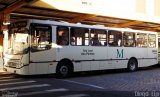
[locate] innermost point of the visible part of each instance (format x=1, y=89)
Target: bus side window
x=129, y=39
x=114, y=38
x=98, y=37
x=79, y=36
x=41, y=37
x=62, y=35
x=95, y=41
x=141, y=40
x=151, y=40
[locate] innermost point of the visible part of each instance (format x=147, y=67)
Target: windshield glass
x=18, y=41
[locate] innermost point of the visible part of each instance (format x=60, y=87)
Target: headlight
x=13, y=64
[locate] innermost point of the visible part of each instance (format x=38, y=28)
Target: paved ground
x=112, y=83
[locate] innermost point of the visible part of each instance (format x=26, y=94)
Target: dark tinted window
x=62, y=35
x=40, y=37
x=114, y=38
x=79, y=36
x=98, y=37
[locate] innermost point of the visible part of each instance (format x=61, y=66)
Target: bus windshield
x=18, y=41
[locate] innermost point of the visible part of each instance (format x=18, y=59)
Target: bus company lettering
x=119, y=53
x=87, y=52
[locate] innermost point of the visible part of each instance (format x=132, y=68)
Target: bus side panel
x=103, y=57
x=32, y=68
x=112, y=56
x=152, y=56
x=86, y=58
x=142, y=55
x=125, y=53
x=39, y=59
x=77, y=66
x=38, y=68
x=89, y=58
x=99, y=57
x=86, y=66
x=73, y=53
x=52, y=66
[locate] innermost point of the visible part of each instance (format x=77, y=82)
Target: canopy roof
x=26, y=9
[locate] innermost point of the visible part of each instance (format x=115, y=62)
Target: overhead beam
x=16, y=6
x=81, y=18
x=4, y=19
x=152, y=29
x=158, y=29
x=22, y=15
x=127, y=24
x=5, y=14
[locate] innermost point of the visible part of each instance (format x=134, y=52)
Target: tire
x=132, y=65
x=63, y=70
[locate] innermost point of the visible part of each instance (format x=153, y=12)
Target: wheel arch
x=131, y=66
x=66, y=60
x=134, y=58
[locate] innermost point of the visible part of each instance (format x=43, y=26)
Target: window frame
x=82, y=38
x=115, y=34
x=99, y=39
x=68, y=34
x=146, y=40
x=152, y=41
x=133, y=39
x=35, y=48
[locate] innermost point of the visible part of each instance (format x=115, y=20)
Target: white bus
x=42, y=47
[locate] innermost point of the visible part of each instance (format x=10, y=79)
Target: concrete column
x=4, y=21
x=1, y=41
x=1, y=50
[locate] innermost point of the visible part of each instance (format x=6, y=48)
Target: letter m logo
x=119, y=53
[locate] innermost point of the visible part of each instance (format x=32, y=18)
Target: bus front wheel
x=132, y=65
x=63, y=70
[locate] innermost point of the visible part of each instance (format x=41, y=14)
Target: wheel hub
x=64, y=70
x=132, y=66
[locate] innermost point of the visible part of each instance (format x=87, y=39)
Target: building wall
x=157, y=7
x=142, y=10
x=141, y=6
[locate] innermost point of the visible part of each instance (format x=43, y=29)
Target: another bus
x=34, y=47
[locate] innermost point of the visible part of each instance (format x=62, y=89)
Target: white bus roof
x=63, y=23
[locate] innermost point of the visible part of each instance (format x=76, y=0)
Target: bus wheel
x=132, y=65
x=63, y=70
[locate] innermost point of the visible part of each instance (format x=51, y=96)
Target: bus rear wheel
x=132, y=65
x=63, y=70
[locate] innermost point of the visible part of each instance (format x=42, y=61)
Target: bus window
x=98, y=37
x=129, y=39
x=18, y=41
x=114, y=38
x=151, y=40
x=79, y=36
x=62, y=35
x=41, y=37
x=141, y=40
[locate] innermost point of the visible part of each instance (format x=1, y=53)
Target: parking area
x=142, y=80
x=111, y=83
